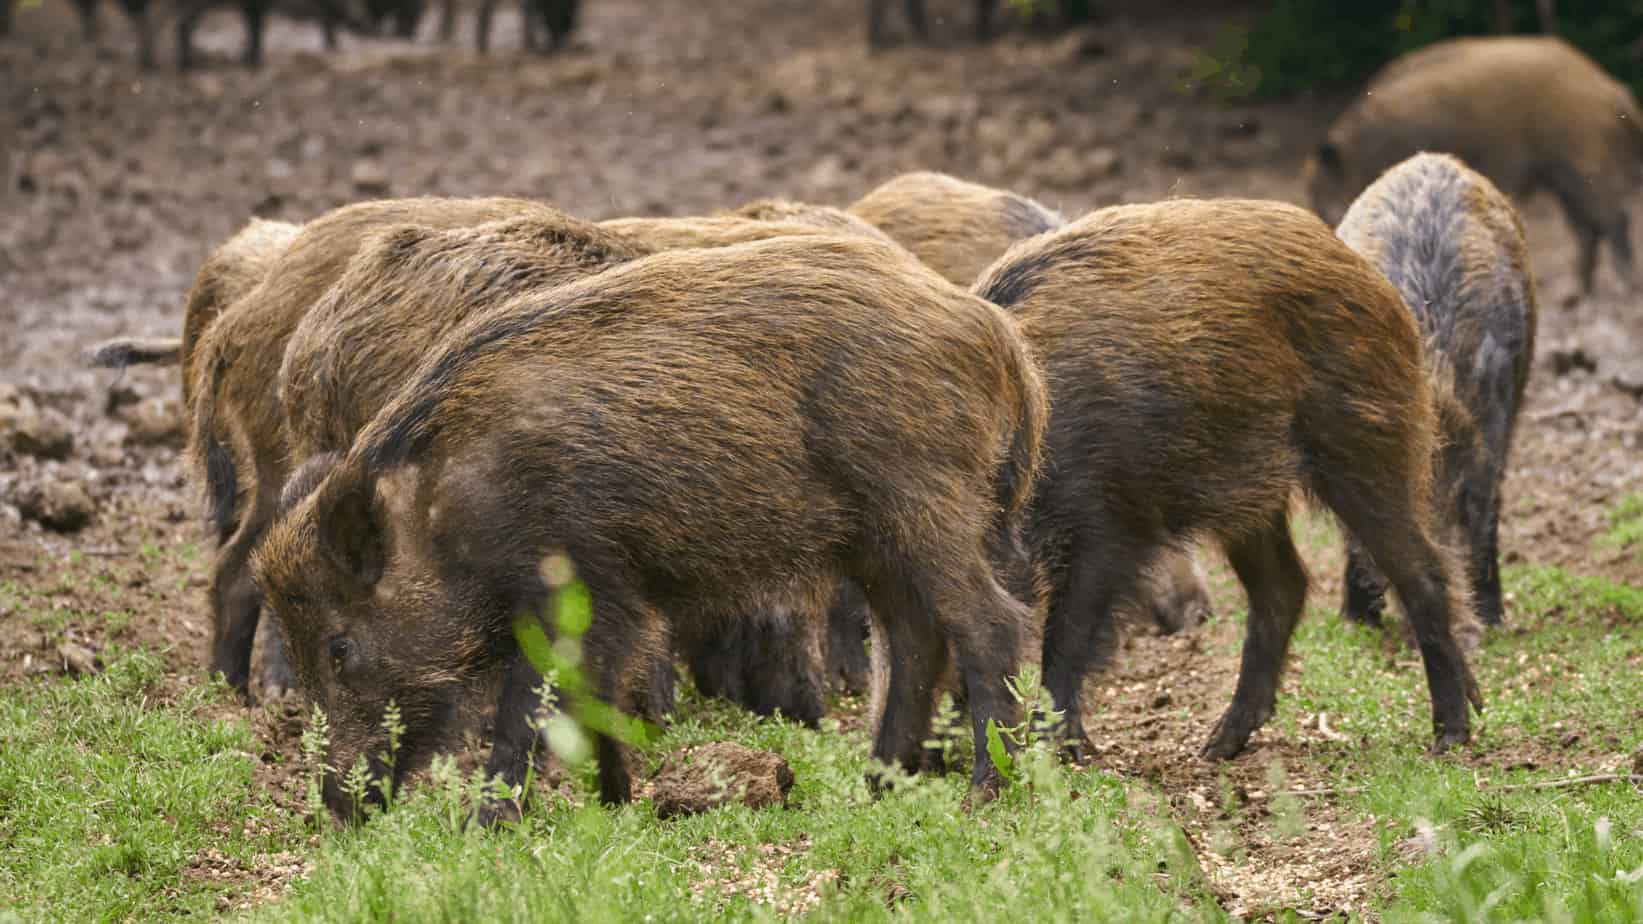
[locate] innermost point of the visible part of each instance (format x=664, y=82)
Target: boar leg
x=137, y=12
x=1424, y=577
x=482, y=25
x=88, y=18
x=236, y=603
x=916, y=655
x=1275, y=581
x=514, y=746
x=1576, y=195
x=254, y=13
x=1079, y=630
x=876, y=10
x=1479, y=516
x=621, y=648
x=1364, y=598
x=188, y=17
x=847, y=664
x=988, y=645
x=1620, y=244
x=984, y=19
x=447, y=20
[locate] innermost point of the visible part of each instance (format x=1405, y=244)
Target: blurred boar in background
x=1529, y=112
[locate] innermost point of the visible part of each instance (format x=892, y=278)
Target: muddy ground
x=115, y=183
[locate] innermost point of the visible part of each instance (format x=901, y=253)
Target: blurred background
x=117, y=179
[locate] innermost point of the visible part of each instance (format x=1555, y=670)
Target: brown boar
x=1205, y=360
x=402, y=293
x=958, y=228
x=1453, y=246
x=919, y=22
x=692, y=429
x=237, y=448
x=1529, y=112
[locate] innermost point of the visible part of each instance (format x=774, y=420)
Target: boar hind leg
x=1364, y=598
x=236, y=604
x=1429, y=585
x=916, y=654
x=1275, y=581
x=988, y=646
x=1079, y=631
x=1620, y=244
x=847, y=664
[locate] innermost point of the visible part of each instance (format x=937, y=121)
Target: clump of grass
x=1625, y=524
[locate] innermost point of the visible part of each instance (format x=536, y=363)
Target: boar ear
x=1329, y=156
x=351, y=533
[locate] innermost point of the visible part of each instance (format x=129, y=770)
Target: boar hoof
x=1446, y=738
x=497, y=812
x=980, y=794
x=1228, y=738
x=1075, y=748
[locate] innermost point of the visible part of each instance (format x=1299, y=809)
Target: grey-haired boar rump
x=688, y=428
x=1453, y=246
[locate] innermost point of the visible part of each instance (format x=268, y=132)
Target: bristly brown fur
x=238, y=429
x=696, y=430
x=1206, y=360
x=956, y=227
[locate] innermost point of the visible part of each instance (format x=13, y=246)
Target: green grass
x=108, y=794
x=113, y=793
x=1626, y=525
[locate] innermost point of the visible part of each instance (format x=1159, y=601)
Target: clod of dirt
x=1630, y=383
x=154, y=422
x=369, y=177
x=63, y=506
x=1566, y=360
x=697, y=779
x=77, y=659
x=34, y=431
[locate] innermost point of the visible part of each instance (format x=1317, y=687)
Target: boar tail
x=1015, y=481
x=214, y=466
x=118, y=354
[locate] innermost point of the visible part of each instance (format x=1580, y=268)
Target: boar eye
x=341, y=649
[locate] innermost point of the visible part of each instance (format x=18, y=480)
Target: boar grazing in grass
x=405, y=290
x=237, y=448
x=1207, y=359
x=1453, y=246
x=703, y=433
x=959, y=228
x=1529, y=112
